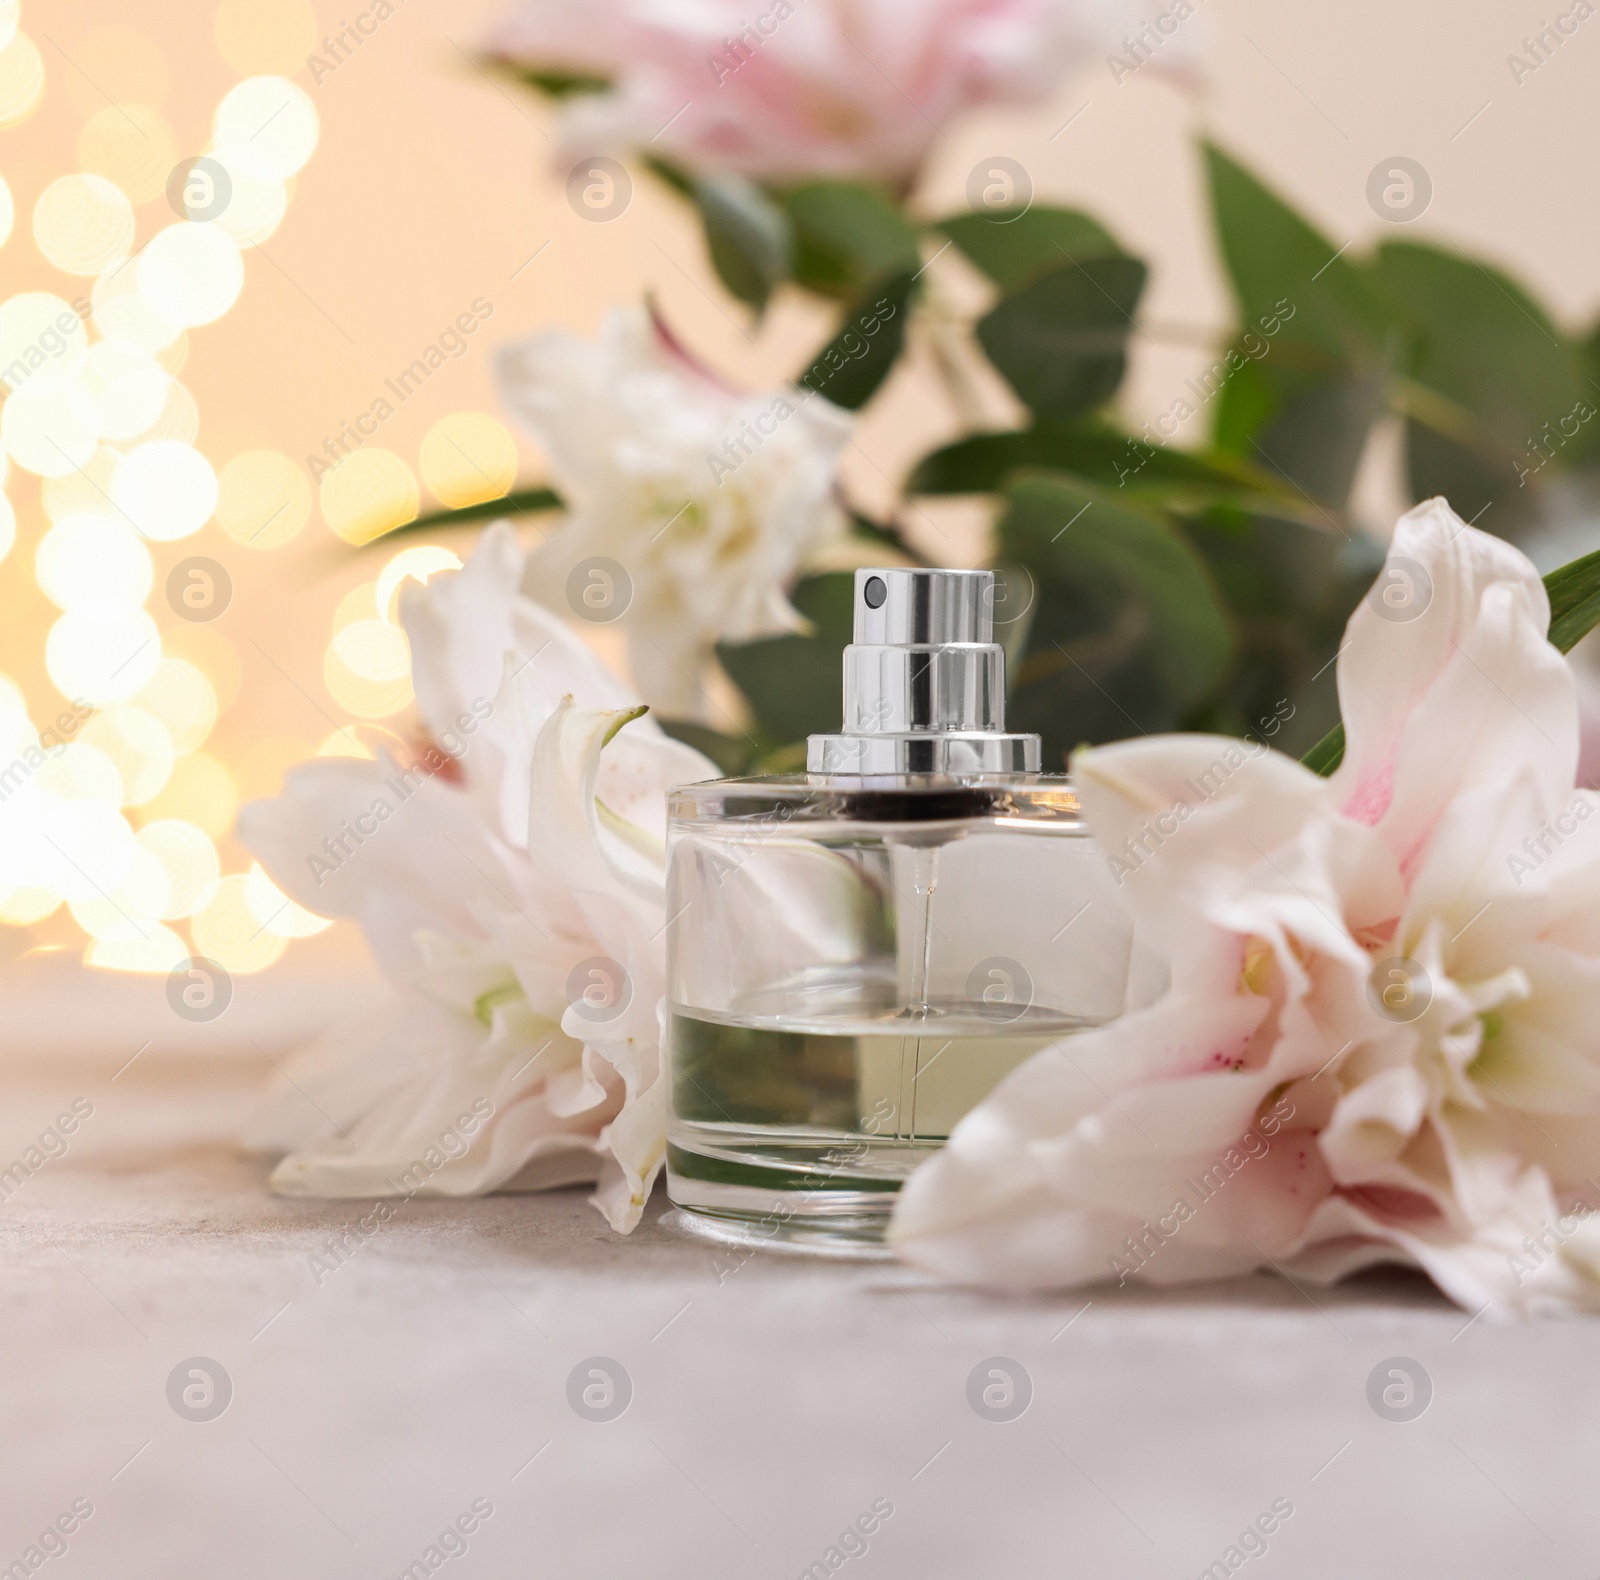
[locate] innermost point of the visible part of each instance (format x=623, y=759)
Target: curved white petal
x=489, y=666
x=1453, y=683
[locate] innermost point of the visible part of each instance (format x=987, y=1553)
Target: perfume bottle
x=858, y=954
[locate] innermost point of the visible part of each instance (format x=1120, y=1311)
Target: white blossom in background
x=1381, y=1041
x=501, y=883
x=789, y=89
x=699, y=503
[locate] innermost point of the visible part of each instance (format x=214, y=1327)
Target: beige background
x=433, y=185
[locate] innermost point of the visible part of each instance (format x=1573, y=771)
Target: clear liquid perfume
x=857, y=955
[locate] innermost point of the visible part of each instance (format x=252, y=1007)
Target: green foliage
x=1574, y=592
x=849, y=369
x=1127, y=633
x=1274, y=255
x=1059, y=332
x=847, y=236
x=1181, y=480
x=1060, y=339
x=561, y=84
x=1154, y=586
x=747, y=234
x=1318, y=336
x=1290, y=587
x=1492, y=391
x=1328, y=753
x=1013, y=246
x=1479, y=341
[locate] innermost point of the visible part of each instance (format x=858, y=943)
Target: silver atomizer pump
x=924, y=682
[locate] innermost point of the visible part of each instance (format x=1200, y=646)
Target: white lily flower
x=511, y=886
x=699, y=503
x=1381, y=1041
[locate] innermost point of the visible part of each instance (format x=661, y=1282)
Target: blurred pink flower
x=788, y=89
x=1381, y=1041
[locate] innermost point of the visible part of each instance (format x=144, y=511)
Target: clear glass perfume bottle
x=858, y=954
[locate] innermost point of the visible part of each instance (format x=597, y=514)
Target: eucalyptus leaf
x=1320, y=337
x=846, y=236
x=1272, y=255
x=1180, y=480
x=1316, y=438
x=747, y=234
x=849, y=369
x=1291, y=587
x=1012, y=246
x=1060, y=339
x=1477, y=339
x=1583, y=447
x=1127, y=632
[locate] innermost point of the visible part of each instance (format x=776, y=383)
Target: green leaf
x=793, y=683
x=561, y=84
x=1583, y=447
x=672, y=175
x=1302, y=385
x=1574, y=600
x=1274, y=257
x=846, y=236
x=1291, y=587
x=747, y=234
x=1128, y=634
x=1316, y=438
x=1012, y=246
x=1328, y=753
x=849, y=369
x=1246, y=403
x=1060, y=340
x=1475, y=337
x=1574, y=591
x=520, y=502
x=1179, y=480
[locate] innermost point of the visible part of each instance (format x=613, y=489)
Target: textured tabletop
x=406, y=1397
x=384, y=1395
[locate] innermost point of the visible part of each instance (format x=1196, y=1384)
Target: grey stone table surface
x=378, y=1406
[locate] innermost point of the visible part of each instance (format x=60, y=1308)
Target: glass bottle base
x=797, y=1200
x=854, y=1240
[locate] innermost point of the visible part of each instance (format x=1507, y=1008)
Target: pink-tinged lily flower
x=511, y=884
x=1381, y=1038
x=789, y=89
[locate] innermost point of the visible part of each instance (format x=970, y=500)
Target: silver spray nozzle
x=924, y=683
